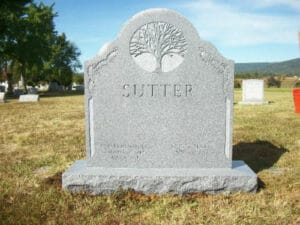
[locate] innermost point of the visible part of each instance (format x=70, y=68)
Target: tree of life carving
x=159, y=39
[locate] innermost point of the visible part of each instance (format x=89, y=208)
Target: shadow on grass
x=259, y=155
x=55, y=180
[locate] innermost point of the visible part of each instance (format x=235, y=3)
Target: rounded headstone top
x=159, y=15
x=157, y=41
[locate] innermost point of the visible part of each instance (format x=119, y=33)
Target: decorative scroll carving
x=158, y=39
x=217, y=64
x=97, y=66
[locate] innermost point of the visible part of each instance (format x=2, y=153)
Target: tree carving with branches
x=159, y=39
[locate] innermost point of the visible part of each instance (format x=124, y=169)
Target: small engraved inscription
x=193, y=149
x=124, y=150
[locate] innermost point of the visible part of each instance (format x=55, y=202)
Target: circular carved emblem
x=158, y=47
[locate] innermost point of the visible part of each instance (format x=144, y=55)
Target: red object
x=296, y=93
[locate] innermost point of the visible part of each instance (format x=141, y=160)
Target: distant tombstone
x=53, y=86
x=2, y=97
x=253, y=92
x=44, y=87
x=21, y=82
x=32, y=90
x=78, y=88
x=29, y=98
x=18, y=92
x=159, y=113
x=2, y=88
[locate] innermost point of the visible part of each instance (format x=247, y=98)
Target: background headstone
x=18, y=92
x=159, y=111
x=32, y=90
x=2, y=97
x=29, y=98
x=77, y=88
x=53, y=86
x=253, y=92
x=2, y=88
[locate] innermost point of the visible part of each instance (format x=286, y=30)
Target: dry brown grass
x=41, y=140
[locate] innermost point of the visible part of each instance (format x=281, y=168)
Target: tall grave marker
x=159, y=112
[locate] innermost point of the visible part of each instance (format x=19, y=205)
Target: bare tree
x=159, y=39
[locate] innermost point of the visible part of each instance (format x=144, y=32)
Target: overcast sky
x=245, y=31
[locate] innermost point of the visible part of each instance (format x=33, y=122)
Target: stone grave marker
x=29, y=98
x=77, y=88
x=18, y=92
x=253, y=92
x=159, y=112
x=44, y=87
x=53, y=87
x=32, y=90
x=2, y=97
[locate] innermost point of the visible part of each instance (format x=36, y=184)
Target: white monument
x=253, y=92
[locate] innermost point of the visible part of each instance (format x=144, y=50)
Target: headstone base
x=97, y=180
x=253, y=103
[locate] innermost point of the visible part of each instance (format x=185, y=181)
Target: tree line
x=31, y=48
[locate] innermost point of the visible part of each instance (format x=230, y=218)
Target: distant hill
x=289, y=67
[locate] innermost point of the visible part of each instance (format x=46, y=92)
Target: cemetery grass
x=39, y=141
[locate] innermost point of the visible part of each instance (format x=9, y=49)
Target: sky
x=242, y=30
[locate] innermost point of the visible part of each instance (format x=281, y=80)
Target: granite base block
x=97, y=180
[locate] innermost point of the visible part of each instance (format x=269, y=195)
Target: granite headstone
x=159, y=112
x=53, y=87
x=253, y=92
x=18, y=92
x=32, y=90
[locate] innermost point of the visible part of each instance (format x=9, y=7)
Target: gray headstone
x=2, y=97
x=159, y=112
x=253, y=92
x=78, y=88
x=29, y=98
x=18, y=92
x=53, y=86
x=32, y=90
